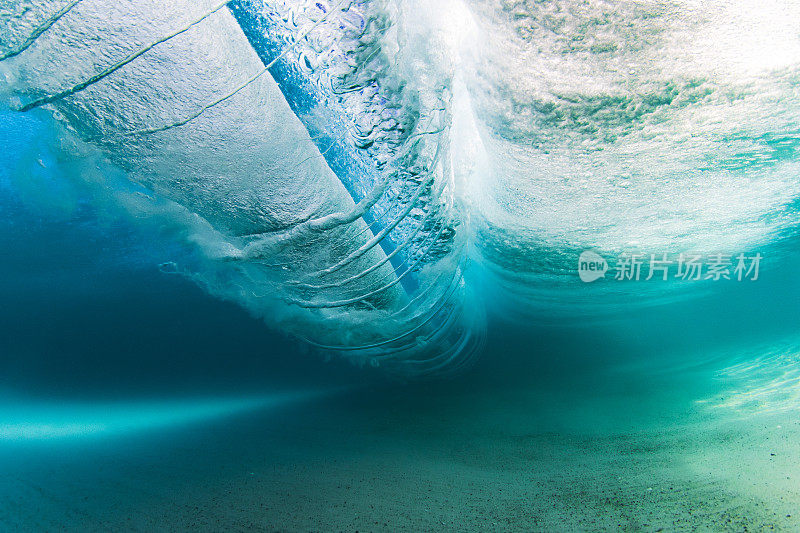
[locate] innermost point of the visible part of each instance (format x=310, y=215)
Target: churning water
x=399, y=265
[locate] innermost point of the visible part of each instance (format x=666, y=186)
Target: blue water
x=165, y=341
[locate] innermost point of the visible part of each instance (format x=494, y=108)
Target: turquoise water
x=317, y=266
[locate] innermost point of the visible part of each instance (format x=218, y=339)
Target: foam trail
x=38, y=31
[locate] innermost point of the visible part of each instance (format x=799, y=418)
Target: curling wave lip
x=331, y=227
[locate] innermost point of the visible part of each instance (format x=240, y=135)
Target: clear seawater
x=167, y=317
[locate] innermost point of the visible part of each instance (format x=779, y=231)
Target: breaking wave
x=369, y=174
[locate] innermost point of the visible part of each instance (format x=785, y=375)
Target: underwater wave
x=368, y=175
x=338, y=227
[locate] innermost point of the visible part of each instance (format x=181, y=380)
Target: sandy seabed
x=424, y=458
